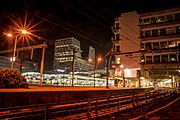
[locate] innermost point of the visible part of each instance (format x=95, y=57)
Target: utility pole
x=42, y=64
x=94, y=71
x=123, y=78
x=107, y=72
x=138, y=76
x=14, y=53
x=74, y=51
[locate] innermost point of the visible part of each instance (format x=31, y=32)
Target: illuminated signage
x=19, y=64
x=60, y=70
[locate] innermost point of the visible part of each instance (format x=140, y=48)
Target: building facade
x=160, y=38
x=63, y=55
x=158, y=35
x=25, y=66
x=126, y=39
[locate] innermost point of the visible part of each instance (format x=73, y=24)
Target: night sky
x=87, y=20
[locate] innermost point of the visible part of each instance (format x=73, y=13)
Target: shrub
x=12, y=79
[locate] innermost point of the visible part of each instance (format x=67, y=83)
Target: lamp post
x=90, y=61
x=122, y=66
x=99, y=59
x=23, y=32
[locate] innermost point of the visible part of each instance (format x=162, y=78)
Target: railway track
x=97, y=108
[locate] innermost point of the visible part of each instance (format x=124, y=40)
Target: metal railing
x=85, y=109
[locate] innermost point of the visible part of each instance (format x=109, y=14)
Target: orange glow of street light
x=113, y=66
x=99, y=59
x=121, y=66
x=90, y=60
x=9, y=35
x=24, y=31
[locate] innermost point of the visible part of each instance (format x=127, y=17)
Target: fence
x=85, y=109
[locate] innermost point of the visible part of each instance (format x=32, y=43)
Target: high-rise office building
x=91, y=56
x=63, y=55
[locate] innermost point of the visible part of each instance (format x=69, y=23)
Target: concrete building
x=63, y=55
x=157, y=34
x=92, y=56
x=126, y=39
x=160, y=38
x=27, y=66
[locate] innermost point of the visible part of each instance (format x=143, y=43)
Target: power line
x=93, y=11
x=104, y=8
x=57, y=24
x=79, y=11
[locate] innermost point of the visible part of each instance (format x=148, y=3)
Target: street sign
x=60, y=70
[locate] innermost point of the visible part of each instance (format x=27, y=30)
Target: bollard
x=46, y=112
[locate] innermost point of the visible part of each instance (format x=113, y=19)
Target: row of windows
x=159, y=19
x=116, y=48
x=63, y=45
x=160, y=59
x=63, y=58
x=160, y=45
x=116, y=26
x=160, y=32
x=62, y=61
x=63, y=53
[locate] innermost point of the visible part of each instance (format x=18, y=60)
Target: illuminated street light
x=9, y=35
x=99, y=59
x=24, y=31
x=113, y=66
x=121, y=66
x=90, y=60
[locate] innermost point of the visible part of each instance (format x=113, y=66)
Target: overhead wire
x=86, y=6
x=79, y=11
x=68, y=29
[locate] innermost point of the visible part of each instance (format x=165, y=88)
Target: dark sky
x=87, y=20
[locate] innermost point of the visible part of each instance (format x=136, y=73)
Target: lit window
x=161, y=19
x=118, y=60
x=173, y=58
x=147, y=21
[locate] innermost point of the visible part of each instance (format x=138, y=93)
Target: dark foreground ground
x=171, y=112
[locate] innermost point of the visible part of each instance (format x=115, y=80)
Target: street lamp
x=90, y=61
x=99, y=59
x=23, y=32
